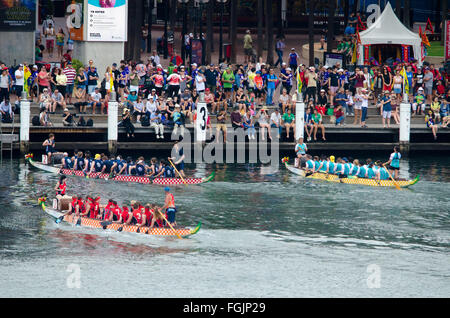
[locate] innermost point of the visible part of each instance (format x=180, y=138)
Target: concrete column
x=113, y=106
x=405, y=126
x=24, y=124
x=299, y=117
x=202, y=117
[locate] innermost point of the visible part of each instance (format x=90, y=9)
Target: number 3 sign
x=201, y=121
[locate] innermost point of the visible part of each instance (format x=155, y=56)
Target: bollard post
x=113, y=106
x=299, y=117
x=405, y=126
x=24, y=124
x=201, y=119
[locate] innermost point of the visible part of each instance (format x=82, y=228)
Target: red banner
x=447, y=39
x=366, y=54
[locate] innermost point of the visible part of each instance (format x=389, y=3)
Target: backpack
x=89, y=122
x=35, y=121
x=81, y=121
x=145, y=121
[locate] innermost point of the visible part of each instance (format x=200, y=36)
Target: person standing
x=19, y=75
x=248, y=46
x=169, y=206
x=5, y=84
x=50, y=36
x=92, y=77
x=70, y=73
x=280, y=46
x=394, y=162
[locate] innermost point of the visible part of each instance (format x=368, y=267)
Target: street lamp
x=202, y=2
x=184, y=29
x=222, y=6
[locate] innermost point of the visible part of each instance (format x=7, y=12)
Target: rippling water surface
x=265, y=233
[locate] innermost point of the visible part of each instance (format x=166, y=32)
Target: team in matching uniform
x=117, y=165
x=350, y=168
x=137, y=214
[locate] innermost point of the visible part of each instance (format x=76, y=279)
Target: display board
x=18, y=15
x=107, y=20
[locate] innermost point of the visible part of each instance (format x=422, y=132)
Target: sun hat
x=97, y=156
x=167, y=189
x=332, y=158
x=66, y=109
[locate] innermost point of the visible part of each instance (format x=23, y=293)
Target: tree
x=444, y=18
x=312, y=4
x=209, y=31
x=269, y=31
x=331, y=19
x=260, y=15
x=233, y=29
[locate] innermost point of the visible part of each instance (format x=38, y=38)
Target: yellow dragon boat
x=349, y=180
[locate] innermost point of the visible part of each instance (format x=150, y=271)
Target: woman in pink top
x=43, y=79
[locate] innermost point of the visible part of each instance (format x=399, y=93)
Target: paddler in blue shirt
x=97, y=164
x=362, y=171
x=355, y=168
x=67, y=161
x=330, y=165
x=79, y=161
x=309, y=165
x=394, y=162
x=316, y=164
x=347, y=166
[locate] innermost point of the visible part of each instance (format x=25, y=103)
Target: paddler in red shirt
x=138, y=216
x=126, y=215
x=117, y=213
x=93, y=206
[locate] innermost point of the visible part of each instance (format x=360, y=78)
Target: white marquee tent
x=388, y=29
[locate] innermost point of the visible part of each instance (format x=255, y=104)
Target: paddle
x=176, y=233
x=177, y=172
x=390, y=176
x=59, y=220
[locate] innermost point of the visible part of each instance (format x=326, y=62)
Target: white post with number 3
x=201, y=120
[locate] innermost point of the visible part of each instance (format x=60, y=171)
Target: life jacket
x=94, y=208
x=81, y=206
x=73, y=205
x=117, y=211
x=125, y=214
x=107, y=211
x=80, y=163
x=171, y=203
x=137, y=214
x=62, y=189
x=98, y=164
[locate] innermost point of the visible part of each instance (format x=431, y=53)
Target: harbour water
x=265, y=233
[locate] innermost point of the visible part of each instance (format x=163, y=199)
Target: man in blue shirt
x=387, y=108
x=92, y=76
x=271, y=85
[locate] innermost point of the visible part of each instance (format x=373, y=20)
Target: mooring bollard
x=299, y=117
x=405, y=125
x=113, y=106
x=24, y=124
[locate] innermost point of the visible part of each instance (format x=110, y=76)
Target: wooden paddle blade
x=138, y=230
x=79, y=221
x=120, y=229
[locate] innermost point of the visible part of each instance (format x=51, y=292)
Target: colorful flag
x=299, y=81
x=111, y=81
x=405, y=80
x=26, y=76
x=429, y=27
